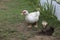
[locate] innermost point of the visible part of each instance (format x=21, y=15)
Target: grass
x=48, y=14
x=10, y=16
x=57, y=1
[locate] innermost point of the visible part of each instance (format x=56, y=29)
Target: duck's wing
x=35, y=14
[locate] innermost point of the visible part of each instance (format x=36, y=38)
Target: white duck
x=32, y=17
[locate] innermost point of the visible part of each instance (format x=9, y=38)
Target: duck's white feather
x=32, y=17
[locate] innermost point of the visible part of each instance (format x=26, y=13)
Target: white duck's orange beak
x=21, y=13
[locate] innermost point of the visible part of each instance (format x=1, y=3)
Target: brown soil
x=44, y=38
x=23, y=29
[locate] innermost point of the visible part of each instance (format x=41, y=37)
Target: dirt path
x=23, y=29
x=44, y=38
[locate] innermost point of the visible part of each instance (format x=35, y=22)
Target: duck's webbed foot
x=29, y=26
x=36, y=25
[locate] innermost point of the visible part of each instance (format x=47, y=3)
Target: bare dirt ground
x=35, y=36
x=44, y=38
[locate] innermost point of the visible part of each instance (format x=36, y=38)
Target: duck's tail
x=38, y=13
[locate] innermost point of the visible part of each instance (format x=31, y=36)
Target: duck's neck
x=26, y=14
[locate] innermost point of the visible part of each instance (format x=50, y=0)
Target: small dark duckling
x=46, y=30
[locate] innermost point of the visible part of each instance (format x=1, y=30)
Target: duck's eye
x=24, y=12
